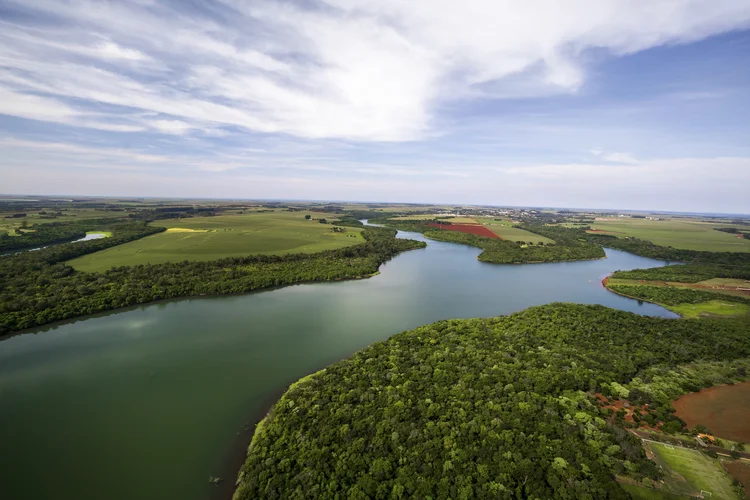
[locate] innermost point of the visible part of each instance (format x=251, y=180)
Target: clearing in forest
x=210, y=238
x=723, y=409
x=690, y=472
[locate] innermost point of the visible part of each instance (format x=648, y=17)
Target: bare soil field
x=741, y=472
x=724, y=409
x=476, y=229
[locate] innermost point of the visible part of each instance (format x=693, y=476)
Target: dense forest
x=483, y=408
x=570, y=244
x=39, y=287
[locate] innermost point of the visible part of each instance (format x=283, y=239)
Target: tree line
x=651, y=250
x=673, y=296
x=689, y=273
x=570, y=244
x=38, y=287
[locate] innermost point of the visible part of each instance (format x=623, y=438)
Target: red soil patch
x=724, y=409
x=741, y=472
x=476, y=229
x=620, y=404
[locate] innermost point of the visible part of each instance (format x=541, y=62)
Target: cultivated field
x=688, y=472
x=724, y=409
x=210, y=238
x=506, y=231
x=692, y=235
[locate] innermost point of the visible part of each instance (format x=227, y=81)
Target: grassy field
x=717, y=307
x=210, y=238
x=711, y=308
x=643, y=493
x=692, y=235
x=506, y=231
x=688, y=472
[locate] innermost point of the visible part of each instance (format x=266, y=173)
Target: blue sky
x=603, y=104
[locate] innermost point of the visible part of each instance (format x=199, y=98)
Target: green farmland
x=690, y=235
x=210, y=238
x=507, y=231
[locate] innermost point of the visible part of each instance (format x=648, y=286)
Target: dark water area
x=148, y=403
x=88, y=237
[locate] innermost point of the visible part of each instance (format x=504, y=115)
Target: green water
x=148, y=403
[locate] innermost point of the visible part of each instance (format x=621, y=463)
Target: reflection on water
x=148, y=403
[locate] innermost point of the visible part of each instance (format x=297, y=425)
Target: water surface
x=148, y=403
x=88, y=237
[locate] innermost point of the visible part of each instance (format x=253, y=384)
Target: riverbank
x=328, y=430
x=178, y=379
x=37, y=283
x=622, y=294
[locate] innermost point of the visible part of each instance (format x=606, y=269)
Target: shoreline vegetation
x=41, y=287
x=37, y=288
x=439, y=411
x=679, y=288
x=570, y=244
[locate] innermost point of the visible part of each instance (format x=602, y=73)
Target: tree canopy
x=480, y=408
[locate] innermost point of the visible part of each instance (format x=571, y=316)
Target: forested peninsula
x=570, y=244
x=489, y=408
x=38, y=287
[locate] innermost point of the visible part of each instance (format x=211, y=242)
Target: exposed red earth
x=476, y=229
x=724, y=409
x=741, y=472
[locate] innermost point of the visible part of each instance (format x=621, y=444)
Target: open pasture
x=507, y=232
x=210, y=238
x=711, y=308
x=677, y=233
x=688, y=472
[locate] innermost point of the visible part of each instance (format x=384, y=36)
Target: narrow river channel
x=148, y=403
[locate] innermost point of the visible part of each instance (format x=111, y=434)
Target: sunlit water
x=148, y=403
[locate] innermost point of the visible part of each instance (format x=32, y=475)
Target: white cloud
x=364, y=70
x=619, y=158
x=661, y=184
x=112, y=50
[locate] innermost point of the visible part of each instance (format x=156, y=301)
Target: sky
x=630, y=104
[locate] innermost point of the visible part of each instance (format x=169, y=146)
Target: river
x=89, y=236
x=149, y=402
